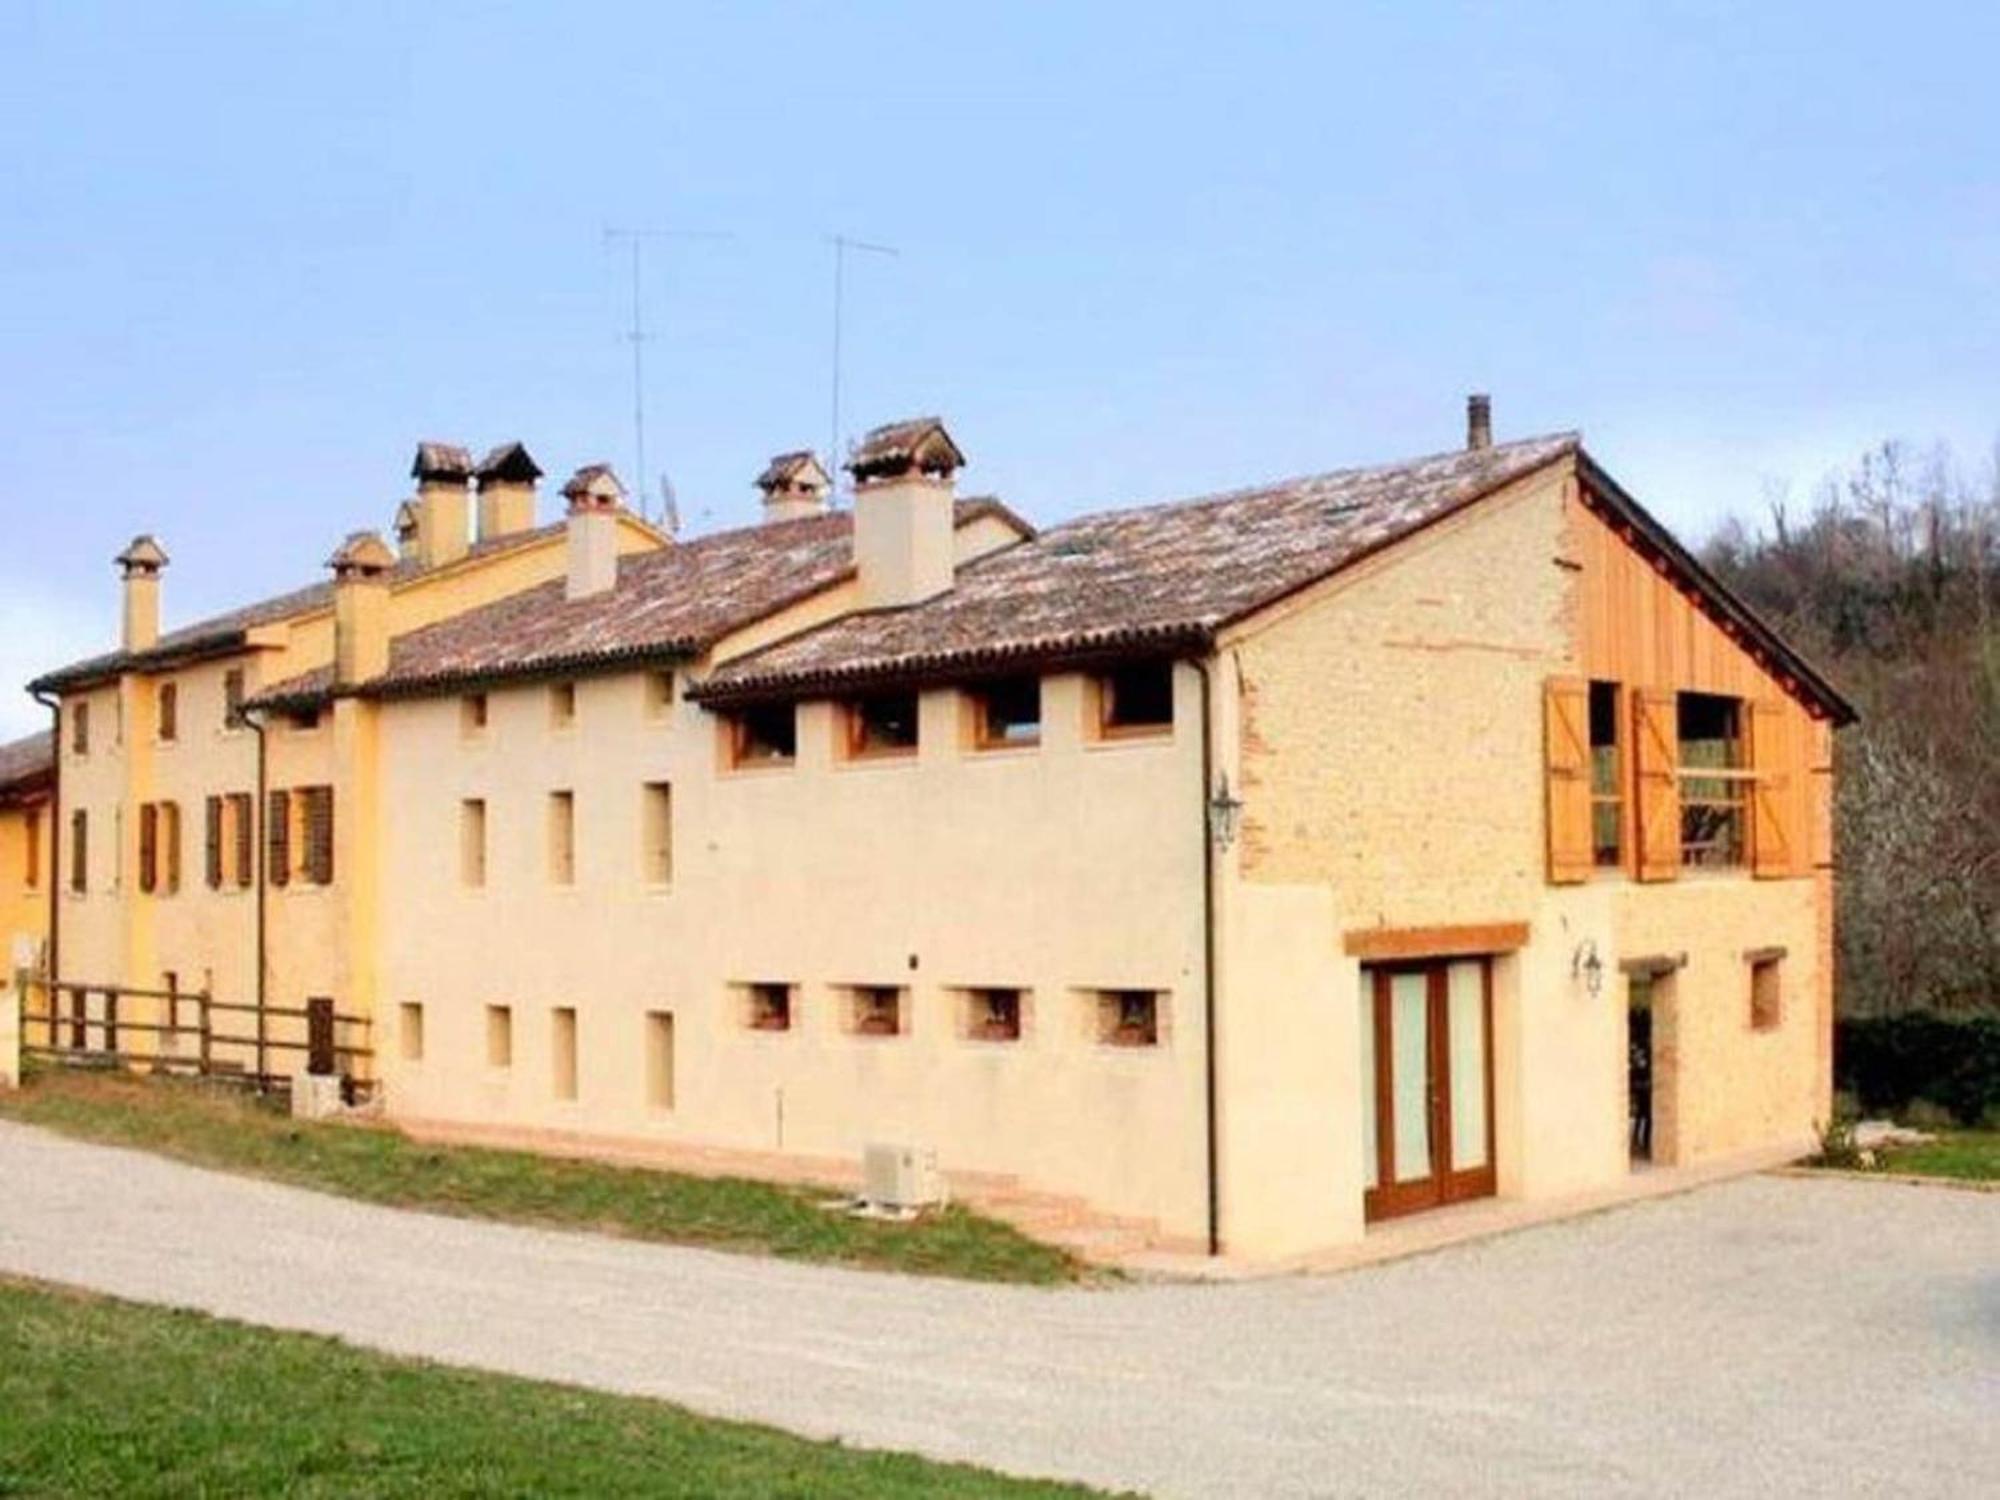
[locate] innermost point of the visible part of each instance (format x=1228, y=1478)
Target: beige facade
x=575, y=891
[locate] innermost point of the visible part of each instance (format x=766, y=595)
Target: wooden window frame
x=1737, y=779
x=1104, y=692
x=854, y=717
x=1616, y=798
x=737, y=737
x=980, y=698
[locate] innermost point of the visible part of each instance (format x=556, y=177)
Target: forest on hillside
x=1888, y=579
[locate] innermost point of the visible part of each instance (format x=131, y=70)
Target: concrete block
x=315, y=1096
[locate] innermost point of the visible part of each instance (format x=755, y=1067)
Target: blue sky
x=252, y=253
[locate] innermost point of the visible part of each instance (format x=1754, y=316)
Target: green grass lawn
x=221, y=1127
x=1968, y=1155
x=106, y=1398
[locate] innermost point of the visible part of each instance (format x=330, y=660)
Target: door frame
x=1389, y=1198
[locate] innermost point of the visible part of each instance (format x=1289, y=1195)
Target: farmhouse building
x=1254, y=867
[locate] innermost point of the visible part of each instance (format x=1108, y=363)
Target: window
x=31, y=851
x=875, y=1010
x=410, y=1032
x=160, y=847
x=301, y=720
x=169, y=711
x=769, y=1007
x=660, y=1059
x=228, y=840
x=883, y=724
x=562, y=705
x=472, y=713
x=562, y=838
x=659, y=694
x=1128, y=1018
x=79, y=851
x=993, y=1015
x=1007, y=713
x=562, y=1052
x=1136, y=700
x=298, y=835
x=1607, y=805
x=472, y=841
x=1767, y=996
x=79, y=729
x=278, y=838
x=656, y=833
x=240, y=811
x=214, y=843
x=1713, y=780
x=499, y=1036
x=766, y=735
x=149, y=845
x=232, y=698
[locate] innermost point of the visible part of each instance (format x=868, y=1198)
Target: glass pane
x=1409, y=1042
x=1465, y=1001
x=1371, y=1149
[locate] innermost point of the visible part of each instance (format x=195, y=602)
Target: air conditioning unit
x=901, y=1179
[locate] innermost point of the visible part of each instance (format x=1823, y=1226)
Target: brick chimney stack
x=595, y=498
x=442, y=472
x=903, y=520
x=360, y=608
x=506, y=478
x=1478, y=421
x=140, y=564
x=795, y=486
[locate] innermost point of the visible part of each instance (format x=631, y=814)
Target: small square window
x=993, y=1014
x=876, y=1010
x=562, y=705
x=882, y=724
x=472, y=713
x=766, y=735
x=1767, y=996
x=1007, y=713
x=232, y=698
x=1128, y=1018
x=410, y=1029
x=768, y=1007
x=1136, y=700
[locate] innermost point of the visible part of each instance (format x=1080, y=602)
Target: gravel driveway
x=1767, y=1336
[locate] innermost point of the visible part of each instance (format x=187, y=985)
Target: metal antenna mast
x=841, y=245
x=638, y=336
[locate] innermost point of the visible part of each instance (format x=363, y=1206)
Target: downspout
x=1208, y=971
x=259, y=858
x=54, y=706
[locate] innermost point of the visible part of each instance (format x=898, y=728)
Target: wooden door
x=1427, y=1053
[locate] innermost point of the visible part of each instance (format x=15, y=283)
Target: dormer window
x=883, y=724
x=1136, y=700
x=765, y=735
x=1007, y=713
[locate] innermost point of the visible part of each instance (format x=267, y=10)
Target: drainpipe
x=1208, y=971
x=259, y=859
x=54, y=706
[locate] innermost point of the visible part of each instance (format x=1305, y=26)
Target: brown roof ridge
x=26, y=763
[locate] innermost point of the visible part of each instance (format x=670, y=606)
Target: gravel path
x=1767, y=1336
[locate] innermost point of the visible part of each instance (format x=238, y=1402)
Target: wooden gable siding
x=1639, y=626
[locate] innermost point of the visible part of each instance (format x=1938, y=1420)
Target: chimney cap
x=799, y=472
x=920, y=444
x=363, y=555
x=507, y=463
x=1478, y=420
x=142, y=555
x=441, y=461
x=406, y=523
x=594, y=487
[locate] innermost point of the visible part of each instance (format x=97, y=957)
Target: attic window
x=1714, y=781
x=472, y=713
x=875, y=1010
x=883, y=724
x=765, y=735
x=1007, y=713
x=1136, y=700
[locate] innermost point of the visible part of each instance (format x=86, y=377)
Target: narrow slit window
x=1767, y=996
x=660, y=1059
x=1136, y=700
x=232, y=698
x=659, y=694
x=472, y=713
x=79, y=729
x=562, y=1052
x=562, y=705
x=79, y=851
x=31, y=851
x=499, y=1036
x=472, y=842
x=410, y=1028
x=169, y=712
x=656, y=833
x=562, y=838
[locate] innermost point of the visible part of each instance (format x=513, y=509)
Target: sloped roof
x=1161, y=577
x=667, y=604
x=26, y=765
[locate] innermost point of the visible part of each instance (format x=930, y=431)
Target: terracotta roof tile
x=26, y=763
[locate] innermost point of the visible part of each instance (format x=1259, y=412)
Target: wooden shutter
x=1566, y=769
x=149, y=845
x=214, y=843
x=80, y=729
x=241, y=806
x=79, y=850
x=170, y=839
x=319, y=835
x=1774, y=823
x=278, y=833
x=1656, y=783
x=170, y=695
x=232, y=697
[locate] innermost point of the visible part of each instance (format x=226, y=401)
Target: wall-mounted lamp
x=1585, y=964
x=1225, y=814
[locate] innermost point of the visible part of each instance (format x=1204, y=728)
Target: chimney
x=795, y=486
x=442, y=471
x=140, y=564
x=360, y=608
x=1478, y=421
x=406, y=530
x=506, y=478
x=903, y=519
x=595, y=498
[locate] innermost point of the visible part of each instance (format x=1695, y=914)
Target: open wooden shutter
x=170, y=837
x=1774, y=823
x=319, y=835
x=214, y=843
x=79, y=851
x=170, y=695
x=1656, y=783
x=278, y=833
x=242, y=806
x=1566, y=771
x=149, y=846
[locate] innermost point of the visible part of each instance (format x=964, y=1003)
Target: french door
x=1427, y=1084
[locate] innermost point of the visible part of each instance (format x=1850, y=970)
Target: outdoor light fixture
x=1585, y=964
x=1225, y=813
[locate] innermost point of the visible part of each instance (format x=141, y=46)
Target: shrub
x=1888, y=1062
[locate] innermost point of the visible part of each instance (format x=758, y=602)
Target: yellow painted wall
x=24, y=890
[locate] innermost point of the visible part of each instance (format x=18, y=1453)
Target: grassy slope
x=100, y=1398
x=220, y=1128
x=1969, y=1155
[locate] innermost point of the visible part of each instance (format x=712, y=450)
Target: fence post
x=319, y=1036
x=207, y=1034
x=111, y=1022
x=13, y=1006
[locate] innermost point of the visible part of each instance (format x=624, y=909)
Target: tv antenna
x=841, y=245
x=637, y=335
